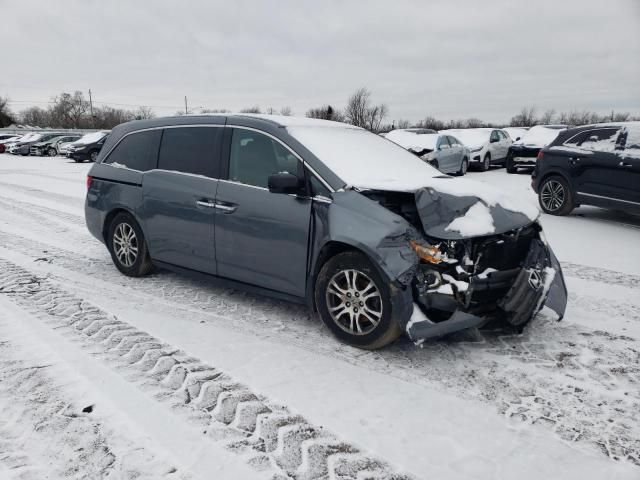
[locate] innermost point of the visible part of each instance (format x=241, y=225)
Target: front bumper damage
x=512, y=296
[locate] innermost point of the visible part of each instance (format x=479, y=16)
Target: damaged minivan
x=323, y=213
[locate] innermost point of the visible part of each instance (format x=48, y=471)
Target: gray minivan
x=322, y=213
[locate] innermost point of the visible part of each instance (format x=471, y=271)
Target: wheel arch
x=556, y=172
x=112, y=214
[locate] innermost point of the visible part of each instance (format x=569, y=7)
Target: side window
x=316, y=187
x=255, y=156
x=600, y=140
x=443, y=142
x=494, y=136
x=137, y=151
x=453, y=141
x=193, y=150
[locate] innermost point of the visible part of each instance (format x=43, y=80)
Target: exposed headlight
x=476, y=149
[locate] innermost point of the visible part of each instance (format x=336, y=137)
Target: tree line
x=75, y=111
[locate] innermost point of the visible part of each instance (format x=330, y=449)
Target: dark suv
x=321, y=213
x=594, y=164
x=88, y=147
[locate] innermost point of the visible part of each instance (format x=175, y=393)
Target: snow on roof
x=291, y=121
x=413, y=141
x=541, y=135
x=470, y=137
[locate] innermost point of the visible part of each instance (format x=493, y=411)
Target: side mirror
x=518, y=138
x=284, y=182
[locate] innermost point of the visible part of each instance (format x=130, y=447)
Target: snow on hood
x=454, y=208
x=472, y=137
x=90, y=138
x=413, y=141
x=540, y=136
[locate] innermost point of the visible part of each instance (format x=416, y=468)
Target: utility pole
x=186, y=110
x=93, y=121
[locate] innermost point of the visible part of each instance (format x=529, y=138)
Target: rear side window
x=193, y=150
x=443, y=142
x=254, y=157
x=495, y=136
x=138, y=151
x=602, y=139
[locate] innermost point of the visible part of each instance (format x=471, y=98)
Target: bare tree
x=526, y=118
x=268, y=111
x=326, y=112
x=6, y=117
x=144, y=113
x=286, y=111
x=361, y=113
x=548, y=117
x=431, y=122
x=474, y=123
x=254, y=109
x=35, y=117
x=214, y=110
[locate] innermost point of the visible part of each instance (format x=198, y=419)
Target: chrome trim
x=233, y=182
x=608, y=198
x=322, y=199
x=225, y=208
x=204, y=203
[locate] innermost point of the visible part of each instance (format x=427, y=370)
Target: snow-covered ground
x=105, y=376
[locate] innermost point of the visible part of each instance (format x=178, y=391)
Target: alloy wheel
x=52, y=152
x=125, y=244
x=552, y=195
x=354, y=302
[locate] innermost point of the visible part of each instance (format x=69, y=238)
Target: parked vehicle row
x=74, y=146
x=524, y=152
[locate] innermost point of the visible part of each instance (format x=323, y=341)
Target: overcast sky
x=449, y=59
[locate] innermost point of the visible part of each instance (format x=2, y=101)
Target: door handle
x=624, y=165
x=225, y=208
x=206, y=203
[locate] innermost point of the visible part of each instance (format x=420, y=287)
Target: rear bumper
x=538, y=282
x=524, y=156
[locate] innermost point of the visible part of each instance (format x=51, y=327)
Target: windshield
x=363, y=159
x=91, y=138
x=471, y=138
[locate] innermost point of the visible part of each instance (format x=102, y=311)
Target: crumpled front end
x=504, y=279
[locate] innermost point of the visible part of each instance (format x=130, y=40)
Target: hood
x=452, y=217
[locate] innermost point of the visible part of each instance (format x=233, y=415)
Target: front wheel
x=127, y=246
x=486, y=162
x=52, y=152
x=354, y=301
x=93, y=155
x=555, y=196
x=511, y=168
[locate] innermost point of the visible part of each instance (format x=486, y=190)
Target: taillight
x=540, y=155
x=89, y=180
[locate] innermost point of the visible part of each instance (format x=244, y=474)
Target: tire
x=435, y=164
x=93, y=154
x=335, y=289
x=511, y=168
x=132, y=264
x=486, y=163
x=555, y=196
x=464, y=166
x=52, y=152
x=78, y=160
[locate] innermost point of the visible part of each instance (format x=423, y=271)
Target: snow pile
x=90, y=138
x=541, y=135
x=413, y=141
x=477, y=221
x=471, y=137
x=515, y=132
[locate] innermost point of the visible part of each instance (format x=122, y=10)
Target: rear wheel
x=127, y=246
x=555, y=196
x=354, y=301
x=93, y=155
x=486, y=162
x=52, y=152
x=511, y=167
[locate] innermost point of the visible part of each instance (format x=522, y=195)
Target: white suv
x=487, y=145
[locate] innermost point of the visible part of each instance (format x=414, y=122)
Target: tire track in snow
x=544, y=376
x=270, y=437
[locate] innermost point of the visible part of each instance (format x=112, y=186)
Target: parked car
x=50, y=147
x=515, y=133
x=524, y=152
x=6, y=136
x=487, y=146
x=322, y=213
x=444, y=152
x=6, y=141
x=88, y=147
x=23, y=146
x=593, y=165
